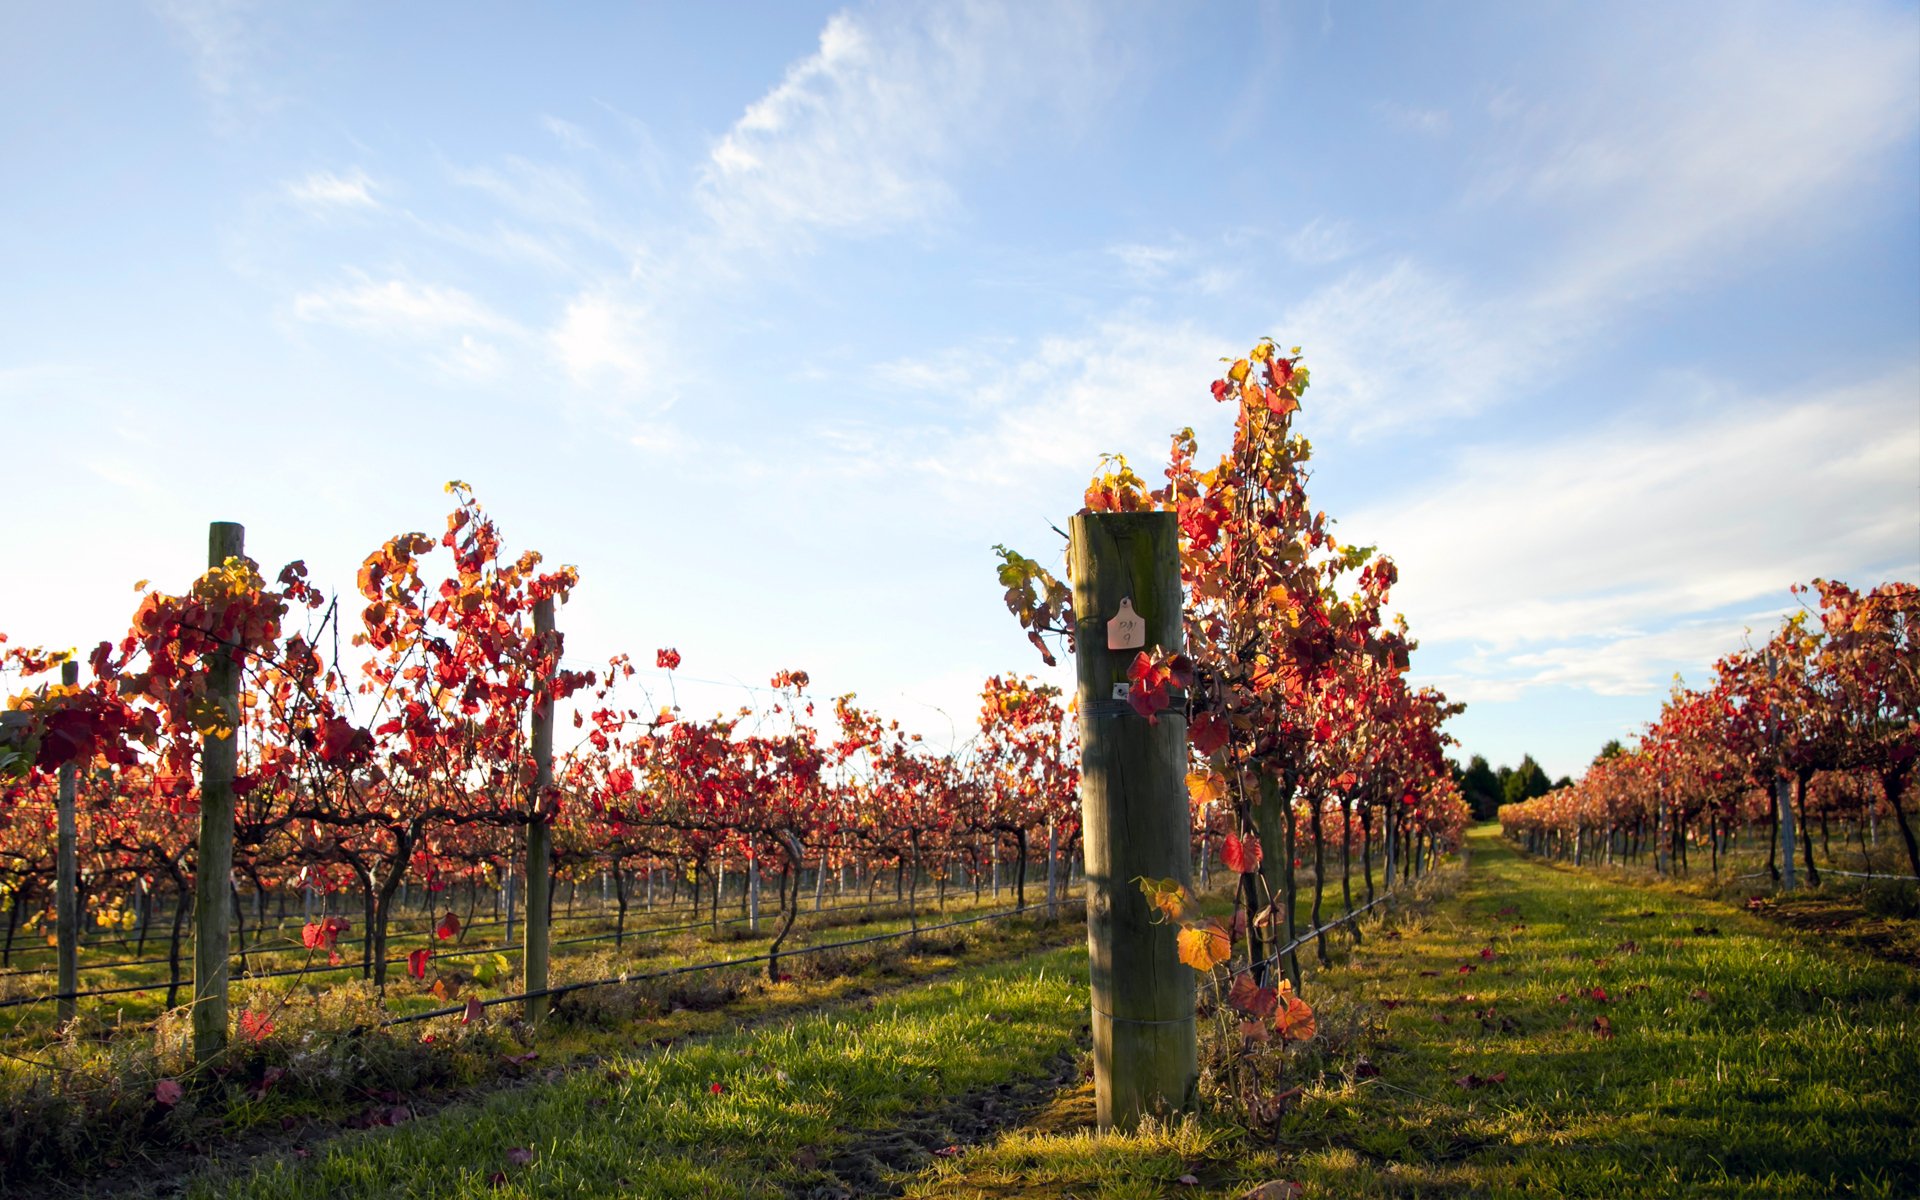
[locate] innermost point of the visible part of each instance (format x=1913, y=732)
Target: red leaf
x=1207, y=731
x=417, y=963
x=449, y=927
x=519, y=1156
x=1251, y=999
x=168, y=1092
x=1241, y=857
x=475, y=1010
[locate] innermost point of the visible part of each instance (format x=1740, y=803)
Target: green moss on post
x=1135, y=819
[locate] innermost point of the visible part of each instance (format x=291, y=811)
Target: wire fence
x=744, y=961
x=360, y=965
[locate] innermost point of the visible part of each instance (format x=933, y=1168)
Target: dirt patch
x=880, y=1162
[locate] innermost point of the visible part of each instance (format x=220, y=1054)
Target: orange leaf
x=1204, y=947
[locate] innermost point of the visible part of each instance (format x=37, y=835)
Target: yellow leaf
x=1204, y=947
x=1164, y=895
x=140, y=586
x=1238, y=372
x=1205, y=786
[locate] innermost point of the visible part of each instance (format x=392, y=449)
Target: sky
x=774, y=319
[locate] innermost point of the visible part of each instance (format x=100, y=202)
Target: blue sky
x=774, y=319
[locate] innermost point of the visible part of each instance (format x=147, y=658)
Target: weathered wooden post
x=1135, y=821
x=66, y=879
x=213, y=865
x=539, y=833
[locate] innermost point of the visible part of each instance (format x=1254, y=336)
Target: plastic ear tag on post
x=1128, y=630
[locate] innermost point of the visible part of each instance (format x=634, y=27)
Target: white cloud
x=859, y=136
x=326, y=190
x=1320, y=241
x=216, y=33
x=398, y=307
x=569, y=135
x=1430, y=122
x=1604, y=560
x=472, y=359
x=1726, y=141
x=1643, y=178
x=600, y=336
x=1037, y=427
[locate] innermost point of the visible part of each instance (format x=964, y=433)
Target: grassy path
x=1618, y=1042
x=1652, y=1044
x=762, y=1113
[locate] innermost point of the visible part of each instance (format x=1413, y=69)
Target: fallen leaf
x=168, y=1092
x=519, y=1156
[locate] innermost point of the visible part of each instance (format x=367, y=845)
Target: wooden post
x=213, y=865
x=1783, y=798
x=66, y=879
x=1135, y=821
x=539, y=833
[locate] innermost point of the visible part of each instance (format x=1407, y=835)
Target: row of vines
x=393, y=749
x=1819, y=728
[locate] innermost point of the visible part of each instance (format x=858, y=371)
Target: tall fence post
x=213, y=865
x=539, y=833
x=67, y=880
x=1135, y=820
x=1783, y=794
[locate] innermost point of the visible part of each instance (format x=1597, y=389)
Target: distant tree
x=1565, y=781
x=1613, y=749
x=1526, y=782
x=1483, y=789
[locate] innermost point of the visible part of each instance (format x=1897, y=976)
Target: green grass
x=1796, y=1074
x=652, y=1123
x=99, y=1116
x=1737, y=1058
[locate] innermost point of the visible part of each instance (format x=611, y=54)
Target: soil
x=879, y=1163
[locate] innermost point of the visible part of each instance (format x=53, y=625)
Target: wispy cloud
x=226, y=40
x=858, y=138
x=323, y=190
x=1601, y=560
x=1644, y=180
x=1321, y=241
x=459, y=335
x=399, y=307
x=1430, y=122
x=602, y=337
